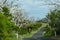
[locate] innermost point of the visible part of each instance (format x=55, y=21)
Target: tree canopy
x=54, y=20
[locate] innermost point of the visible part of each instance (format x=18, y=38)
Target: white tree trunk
x=55, y=33
x=17, y=35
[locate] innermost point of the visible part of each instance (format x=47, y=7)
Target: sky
x=34, y=8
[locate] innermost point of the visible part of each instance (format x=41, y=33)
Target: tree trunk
x=17, y=35
x=55, y=33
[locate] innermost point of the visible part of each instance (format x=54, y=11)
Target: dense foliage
x=6, y=28
x=6, y=12
x=29, y=28
x=54, y=21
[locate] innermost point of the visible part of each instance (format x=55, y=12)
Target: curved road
x=38, y=36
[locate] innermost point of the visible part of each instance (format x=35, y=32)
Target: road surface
x=38, y=36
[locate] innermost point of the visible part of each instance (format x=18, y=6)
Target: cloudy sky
x=35, y=8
